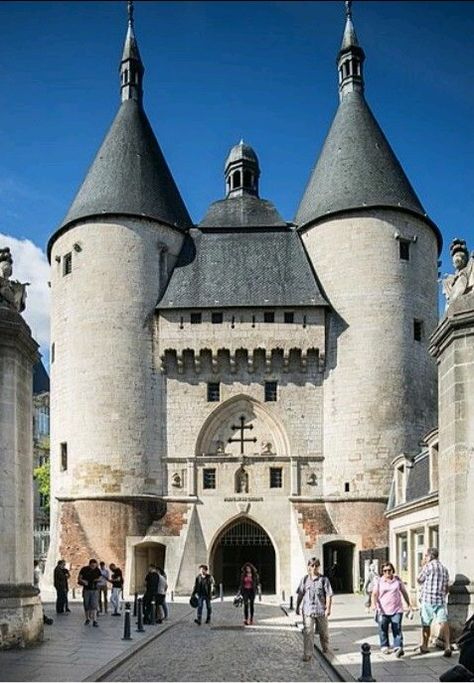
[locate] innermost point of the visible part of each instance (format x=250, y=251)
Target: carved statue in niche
x=220, y=448
x=267, y=448
x=312, y=479
x=12, y=292
x=241, y=480
x=462, y=281
x=176, y=480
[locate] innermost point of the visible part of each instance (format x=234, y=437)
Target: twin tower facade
x=236, y=390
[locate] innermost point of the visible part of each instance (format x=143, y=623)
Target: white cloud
x=31, y=265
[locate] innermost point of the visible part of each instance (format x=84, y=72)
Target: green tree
x=42, y=475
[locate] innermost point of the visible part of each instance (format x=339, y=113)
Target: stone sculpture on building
x=12, y=292
x=462, y=281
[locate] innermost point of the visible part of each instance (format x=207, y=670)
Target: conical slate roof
x=130, y=175
x=357, y=168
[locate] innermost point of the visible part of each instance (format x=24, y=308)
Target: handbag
x=238, y=600
x=193, y=601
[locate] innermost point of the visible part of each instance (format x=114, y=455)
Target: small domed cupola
x=241, y=171
x=350, y=59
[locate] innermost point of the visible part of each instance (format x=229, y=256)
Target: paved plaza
x=225, y=650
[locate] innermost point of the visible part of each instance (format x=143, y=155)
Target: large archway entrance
x=338, y=565
x=243, y=541
x=145, y=554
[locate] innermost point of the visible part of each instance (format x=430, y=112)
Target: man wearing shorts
x=88, y=578
x=433, y=579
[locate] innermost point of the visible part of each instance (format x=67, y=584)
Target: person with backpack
x=203, y=589
x=387, y=596
x=314, y=595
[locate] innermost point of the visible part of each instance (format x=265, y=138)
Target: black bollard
x=152, y=613
x=140, y=628
x=283, y=596
x=126, y=623
x=135, y=604
x=366, y=675
x=291, y=603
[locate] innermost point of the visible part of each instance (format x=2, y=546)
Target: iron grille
x=245, y=533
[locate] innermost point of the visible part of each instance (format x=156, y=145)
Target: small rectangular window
x=216, y=318
x=417, y=330
x=63, y=457
x=271, y=391
x=276, y=477
x=404, y=246
x=196, y=318
x=67, y=263
x=213, y=391
x=346, y=487
x=269, y=317
x=289, y=317
x=209, y=478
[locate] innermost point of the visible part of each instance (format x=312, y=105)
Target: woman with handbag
x=249, y=584
x=387, y=600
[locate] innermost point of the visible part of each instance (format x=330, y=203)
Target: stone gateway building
x=236, y=390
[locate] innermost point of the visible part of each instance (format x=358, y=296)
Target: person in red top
x=249, y=583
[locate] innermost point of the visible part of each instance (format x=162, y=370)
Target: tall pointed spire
x=131, y=66
x=350, y=58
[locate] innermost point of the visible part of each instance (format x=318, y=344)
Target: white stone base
x=21, y=619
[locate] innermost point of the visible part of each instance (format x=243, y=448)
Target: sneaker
x=251, y=622
x=87, y=622
x=418, y=650
x=67, y=609
x=198, y=622
x=385, y=650
x=398, y=652
x=94, y=623
x=208, y=621
x=246, y=622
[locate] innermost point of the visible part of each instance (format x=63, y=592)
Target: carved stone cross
x=241, y=439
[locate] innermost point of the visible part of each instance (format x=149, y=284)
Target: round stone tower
x=375, y=252
x=110, y=261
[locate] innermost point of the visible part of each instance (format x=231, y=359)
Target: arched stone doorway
x=243, y=540
x=145, y=554
x=338, y=565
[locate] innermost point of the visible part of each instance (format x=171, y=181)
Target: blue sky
x=219, y=71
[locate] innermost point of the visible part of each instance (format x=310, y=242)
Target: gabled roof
x=240, y=212
x=356, y=168
x=238, y=268
x=129, y=175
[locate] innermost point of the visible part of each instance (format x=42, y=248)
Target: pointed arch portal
x=241, y=541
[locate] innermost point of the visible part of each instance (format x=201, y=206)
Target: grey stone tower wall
x=105, y=390
x=380, y=385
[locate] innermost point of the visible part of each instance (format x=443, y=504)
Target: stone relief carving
x=462, y=281
x=267, y=448
x=12, y=292
x=242, y=481
x=176, y=480
x=312, y=479
x=220, y=448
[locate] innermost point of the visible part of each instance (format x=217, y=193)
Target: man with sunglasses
x=315, y=595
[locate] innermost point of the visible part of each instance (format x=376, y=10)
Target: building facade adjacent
x=40, y=460
x=236, y=389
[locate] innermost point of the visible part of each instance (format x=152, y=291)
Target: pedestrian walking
x=203, y=589
x=161, y=595
x=387, y=600
x=369, y=586
x=67, y=574
x=88, y=578
x=434, y=582
x=103, y=587
x=61, y=585
x=249, y=583
x=152, y=580
x=314, y=595
x=116, y=579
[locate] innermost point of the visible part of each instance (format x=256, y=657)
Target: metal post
x=126, y=623
x=73, y=593
x=283, y=596
x=135, y=602
x=172, y=596
x=221, y=592
x=152, y=613
x=140, y=628
x=366, y=675
x=291, y=603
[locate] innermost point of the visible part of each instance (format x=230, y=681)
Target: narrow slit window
x=271, y=391
x=404, y=246
x=347, y=487
x=67, y=263
x=63, y=448
x=417, y=330
x=213, y=391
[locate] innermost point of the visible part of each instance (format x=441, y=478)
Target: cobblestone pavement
x=74, y=652
x=226, y=650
